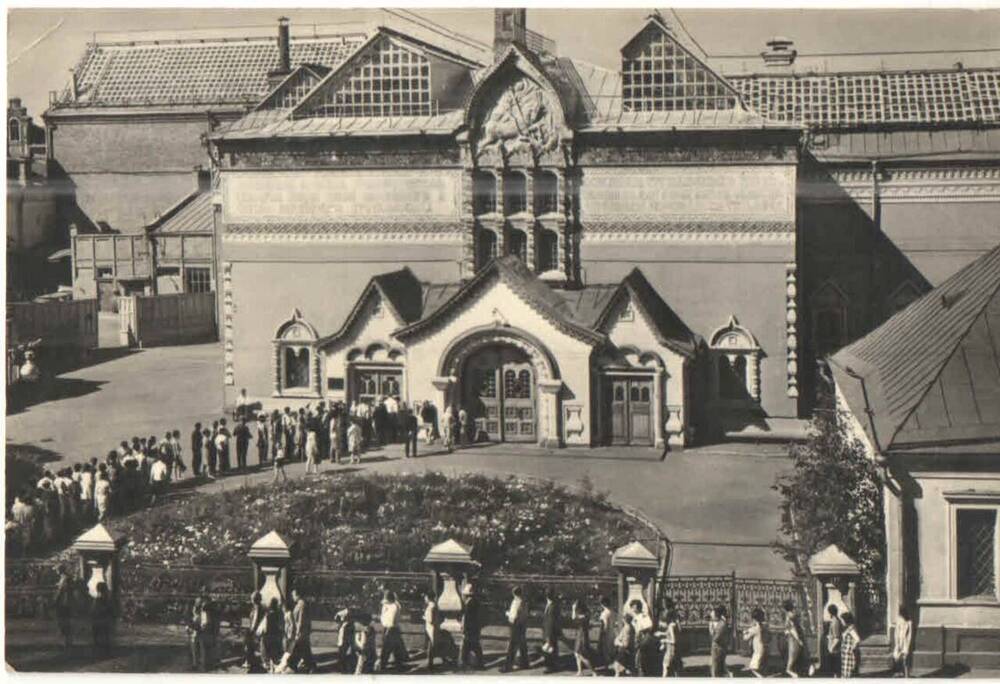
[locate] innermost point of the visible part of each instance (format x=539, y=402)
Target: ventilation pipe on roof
x=74, y=91
x=780, y=52
x=284, y=46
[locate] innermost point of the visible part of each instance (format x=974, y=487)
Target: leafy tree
x=833, y=495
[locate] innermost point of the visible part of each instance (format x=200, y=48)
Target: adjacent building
x=922, y=392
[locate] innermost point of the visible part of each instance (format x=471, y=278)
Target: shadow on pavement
x=23, y=397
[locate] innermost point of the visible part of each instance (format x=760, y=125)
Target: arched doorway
x=498, y=389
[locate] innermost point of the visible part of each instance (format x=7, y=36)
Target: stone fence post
x=836, y=575
x=451, y=563
x=637, y=567
x=271, y=558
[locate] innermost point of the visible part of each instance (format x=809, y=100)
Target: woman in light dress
x=669, y=637
x=581, y=643
x=354, y=436
x=796, y=644
x=312, y=453
x=756, y=634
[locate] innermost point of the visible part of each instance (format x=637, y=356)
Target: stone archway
x=514, y=353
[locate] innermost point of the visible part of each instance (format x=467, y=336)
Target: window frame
x=964, y=501
x=198, y=272
x=13, y=130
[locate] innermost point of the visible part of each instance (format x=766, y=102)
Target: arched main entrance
x=498, y=389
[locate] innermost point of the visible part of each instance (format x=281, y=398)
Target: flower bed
x=388, y=523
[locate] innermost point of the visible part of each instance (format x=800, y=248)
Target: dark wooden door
x=499, y=394
x=518, y=402
x=640, y=411
x=618, y=397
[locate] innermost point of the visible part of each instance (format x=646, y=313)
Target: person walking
x=432, y=628
x=194, y=635
x=581, y=643
x=392, y=639
x=196, y=451
x=463, y=426
x=551, y=631
x=645, y=642
x=303, y=632
x=346, y=643
x=756, y=634
x=607, y=621
x=364, y=645
x=222, y=447
x=409, y=427
x=850, y=646
x=718, y=630
x=625, y=646
x=279, y=463
x=796, y=644
x=102, y=496
x=62, y=603
x=159, y=477
x=670, y=638
x=902, y=642
x=101, y=619
x=449, y=427
x=833, y=635
x=208, y=454
x=517, y=619
x=472, y=626
x=354, y=441
x=241, y=433
x=288, y=638
x=312, y=452
x=333, y=436
x=262, y=440
x=428, y=415
x=258, y=615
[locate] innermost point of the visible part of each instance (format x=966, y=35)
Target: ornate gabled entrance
x=498, y=387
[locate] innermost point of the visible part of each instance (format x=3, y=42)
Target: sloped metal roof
x=931, y=373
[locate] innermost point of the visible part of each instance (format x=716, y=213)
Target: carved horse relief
x=520, y=121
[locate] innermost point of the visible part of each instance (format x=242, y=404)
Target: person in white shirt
x=517, y=618
x=902, y=637
x=87, y=490
x=392, y=639
x=159, y=476
x=102, y=496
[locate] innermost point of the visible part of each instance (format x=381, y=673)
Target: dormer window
x=484, y=193
x=658, y=74
x=515, y=193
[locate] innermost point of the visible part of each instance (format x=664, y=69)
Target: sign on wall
x=307, y=196
x=731, y=192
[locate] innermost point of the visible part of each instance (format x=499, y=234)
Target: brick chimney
x=509, y=26
x=780, y=52
x=276, y=76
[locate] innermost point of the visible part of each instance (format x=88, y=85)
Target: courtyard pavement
x=715, y=503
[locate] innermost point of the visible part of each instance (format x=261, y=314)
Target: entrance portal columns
x=660, y=396
x=548, y=405
x=443, y=386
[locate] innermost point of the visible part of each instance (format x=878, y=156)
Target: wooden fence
x=167, y=319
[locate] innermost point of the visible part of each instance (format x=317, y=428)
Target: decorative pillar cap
x=270, y=546
x=635, y=555
x=98, y=538
x=450, y=551
x=443, y=381
x=832, y=561
x=550, y=386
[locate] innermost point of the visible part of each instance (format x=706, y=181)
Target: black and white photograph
x=556, y=340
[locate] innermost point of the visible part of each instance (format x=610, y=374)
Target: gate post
x=271, y=558
x=637, y=567
x=451, y=563
x=835, y=575
x=98, y=552
x=733, y=607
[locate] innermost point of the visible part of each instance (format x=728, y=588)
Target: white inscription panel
x=723, y=192
x=358, y=195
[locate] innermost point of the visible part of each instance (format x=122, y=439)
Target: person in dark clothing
x=551, y=630
x=223, y=446
x=196, y=450
x=471, y=627
x=380, y=419
x=409, y=427
x=63, y=604
x=101, y=617
x=343, y=422
x=242, y=435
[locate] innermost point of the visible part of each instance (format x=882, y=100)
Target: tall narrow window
x=546, y=193
x=296, y=367
x=484, y=193
x=517, y=244
x=548, y=250
x=977, y=552
x=515, y=193
x=487, y=246
x=14, y=130
x=829, y=319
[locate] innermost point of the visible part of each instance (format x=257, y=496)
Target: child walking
x=279, y=462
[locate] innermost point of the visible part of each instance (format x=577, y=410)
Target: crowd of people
x=138, y=472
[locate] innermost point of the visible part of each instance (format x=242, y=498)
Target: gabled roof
x=310, y=73
x=400, y=290
x=930, y=375
x=859, y=99
x=193, y=214
x=511, y=271
x=185, y=72
x=668, y=327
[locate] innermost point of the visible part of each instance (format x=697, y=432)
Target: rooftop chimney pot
x=284, y=46
x=509, y=27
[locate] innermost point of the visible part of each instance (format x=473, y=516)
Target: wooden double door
x=499, y=395
x=631, y=416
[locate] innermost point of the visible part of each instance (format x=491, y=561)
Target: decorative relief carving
x=904, y=185
x=521, y=121
x=594, y=155
x=668, y=236
x=792, y=336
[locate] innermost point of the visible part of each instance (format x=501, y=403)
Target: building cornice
x=902, y=185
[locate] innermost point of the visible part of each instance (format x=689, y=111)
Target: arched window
x=517, y=244
x=547, y=250
x=14, y=130
x=737, y=360
x=829, y=319
x=484, y=193
x=296, y=367
x=546, y=193
x=487, y=246
x=515, y=193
